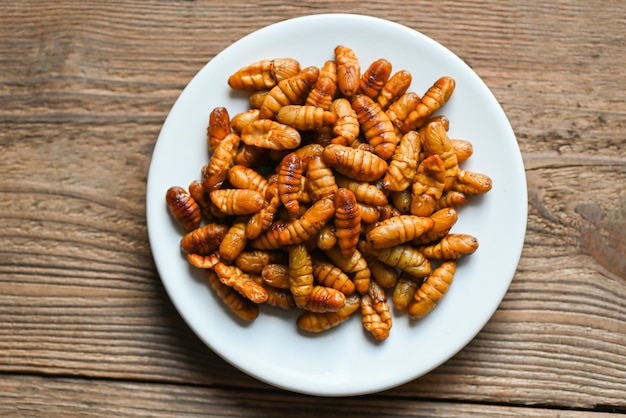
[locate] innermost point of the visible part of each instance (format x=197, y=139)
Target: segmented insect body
x=435, y=140
x=308, y=225
x=372, y=320
x=432, y=290
x=395, y=87
x=348, y=71
x=289, y=182
x=347, y=221
x=374, y=78
x=290, y=91
x=234, y=241
x=183, y=208
x=242, y=177
x=300, y=274
x=256, y=98
x=379, y=303
x=243, y=119
x=276, y=275
x=325, y=88
x=264, y=74
x=364, y=192
x=325, y=299
x=232, y=276
x=280, y=298
x=404, y=257
x=243, y=307
x=305, y=117
x=219, y=127
x=401, y=200
x=202, y=198
x=320, y=179
x=428, y=186
x=326, y=238
x=403, y=292
x=237, y=201
x=357, y=164
x=205, y=239
x=451, y=247
x=462, y=149
x=436, y=96
x=403, y=164
x=346, y=127
x=369, y=214
x=355, y=265
x=267, y=133
x=451, y=199
x=327, y=274
x=397, y=230
x=254, y=261
x=260, y=221
x=375, y=126
x=215, y=172
x=318, y=322
x=443, y=220
x=399, y=110
x=471, y=183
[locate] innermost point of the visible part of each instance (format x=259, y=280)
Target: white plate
x=345, y=361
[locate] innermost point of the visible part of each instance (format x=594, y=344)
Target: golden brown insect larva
x=371, y=320
x=325, y=299
x=398, y=111
x=403, y=292
x=401, y=200
x=364, y=192
x=435, y=141
x=404, y=257
x=375, y=126
x=267, y=133
x=326, y=238
x=327, y=274
x=215, y=172
x=276, y=275
x=292, y=90
x=219, y=126
x=300, y=274
x=397, y=230
x=305, y=117
x=242, y=177
x=428, y=186
x=346, y=127
x=403, y=164
x=243, y=307
x=237, y=201
x=354, y=163
x=374, y=77
x=276, y=297
x=320, y=179
x=325, y=88
x=379, y=303
x=356, y=265
x=383, y=274
x=471, y=183
x=307, y=226
x=433, y=99
x=318, y=322
x=462, y=148
x=204, y=240
x=347, y=221
x=254, y=261
x=202, y=261
x=289, y=182
x=394, y=88
x=432, y=290
x=183, y=208
x=263, y=74
x=256, y=98
x=348, y=71
x=234, y=241
x=451, y=247
x=443, y=220
x=232, y=276
x=388, y=211
x=369, y=214
x=243, y=119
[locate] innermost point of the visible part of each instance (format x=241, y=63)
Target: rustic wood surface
x=86, y=328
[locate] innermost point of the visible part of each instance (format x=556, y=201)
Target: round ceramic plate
x=345, y=360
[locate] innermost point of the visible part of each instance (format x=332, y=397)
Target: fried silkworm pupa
x=432, y=290
x=436, y=96
x=348, y=71
x=205, y=239
x=318, y=322
x=219, y=127
x=300, y=274
x=451, y=247
x=356, y=164
x=264, y=74
x=375, y=126
x=290, y=91
x=183, y=208
x=327, y=274
x=398, y=230
x=267, y=133
x=374, y=77
x=237, y=201
x=347, y=222
x=395, y=87
x=243, y=307
x=325, y=299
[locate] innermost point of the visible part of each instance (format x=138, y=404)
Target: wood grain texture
x=84, y=89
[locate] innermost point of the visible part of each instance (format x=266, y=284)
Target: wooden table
x=86, y=328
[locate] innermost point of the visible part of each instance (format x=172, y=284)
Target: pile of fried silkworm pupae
x=336, y=189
